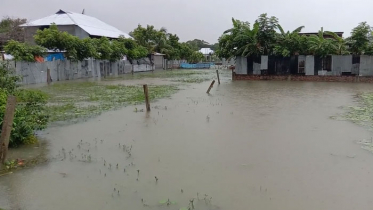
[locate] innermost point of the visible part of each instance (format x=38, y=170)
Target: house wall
x=31, y=31
x=79, y=32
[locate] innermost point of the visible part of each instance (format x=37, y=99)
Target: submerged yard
x=247, y=145
x=80, y=100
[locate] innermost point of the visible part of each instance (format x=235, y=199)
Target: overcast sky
x=202, y=19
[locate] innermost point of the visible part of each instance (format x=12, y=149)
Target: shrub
x=30, y=110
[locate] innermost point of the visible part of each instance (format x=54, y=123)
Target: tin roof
x=206, y=51
x=91, y=25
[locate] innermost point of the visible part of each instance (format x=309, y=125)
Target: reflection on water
x=249, y=145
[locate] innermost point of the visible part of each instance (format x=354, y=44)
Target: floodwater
x=262, y=145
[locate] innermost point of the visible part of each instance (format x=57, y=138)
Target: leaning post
x=212, y=85
x=7, y=127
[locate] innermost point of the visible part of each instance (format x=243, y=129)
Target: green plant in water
x=77, y=100
x=167, y=202
x=30, y=113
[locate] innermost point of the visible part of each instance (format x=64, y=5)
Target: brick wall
x=317, y=78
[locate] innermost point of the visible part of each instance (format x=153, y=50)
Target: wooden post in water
x=48, y=76
x=146, y=92
x=217, y=72
x=212, y=85
x=7, y=127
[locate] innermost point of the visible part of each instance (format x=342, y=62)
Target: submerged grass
x=363, y=113
x=84, y=99
x=79, y=100
x=189, y=76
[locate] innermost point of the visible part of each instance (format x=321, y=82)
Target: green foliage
x=196, y=57
x=10, y=30
x=339, y=43
x=318, y=45
x=166, y=43
x=23, y=51
x=103, y=47
x=289, y=43
x=53, y=39
x=80, y=49
x=266, y=33
x=30, y=110
x=134, y=51
x=360, y=38
x=267, y=37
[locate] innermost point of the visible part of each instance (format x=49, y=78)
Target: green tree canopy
x=24, y=52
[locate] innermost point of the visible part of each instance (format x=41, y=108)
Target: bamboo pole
x=212, y=85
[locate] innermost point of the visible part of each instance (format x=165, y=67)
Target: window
x=327, y=63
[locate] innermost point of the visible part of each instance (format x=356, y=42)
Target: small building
x=79, y=25
x=207, y=52
x=158, y=60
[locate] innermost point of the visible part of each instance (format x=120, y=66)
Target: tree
x=267, y=32
x=185, y=52
x=134, y=51
x=30, y=110
x=10, y=30
x=103, y=48
x=196, y=57
x=249, y=39
x=321, y=46
x=53, y=39
x=360, y=38
x=197, y=44
x=228, y=43
x=156, y=40
x=339, y=43
x=288, y=43
x=24, y=52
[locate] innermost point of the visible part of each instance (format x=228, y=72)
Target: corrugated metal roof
x=91, y=25
x=206, y=51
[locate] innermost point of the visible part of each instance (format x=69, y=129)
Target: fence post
x=212, y=85
x=217, y=72
x=7, y=127
x=146, y=98
x=48, y=76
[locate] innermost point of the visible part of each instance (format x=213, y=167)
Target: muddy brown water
x=248, y=145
